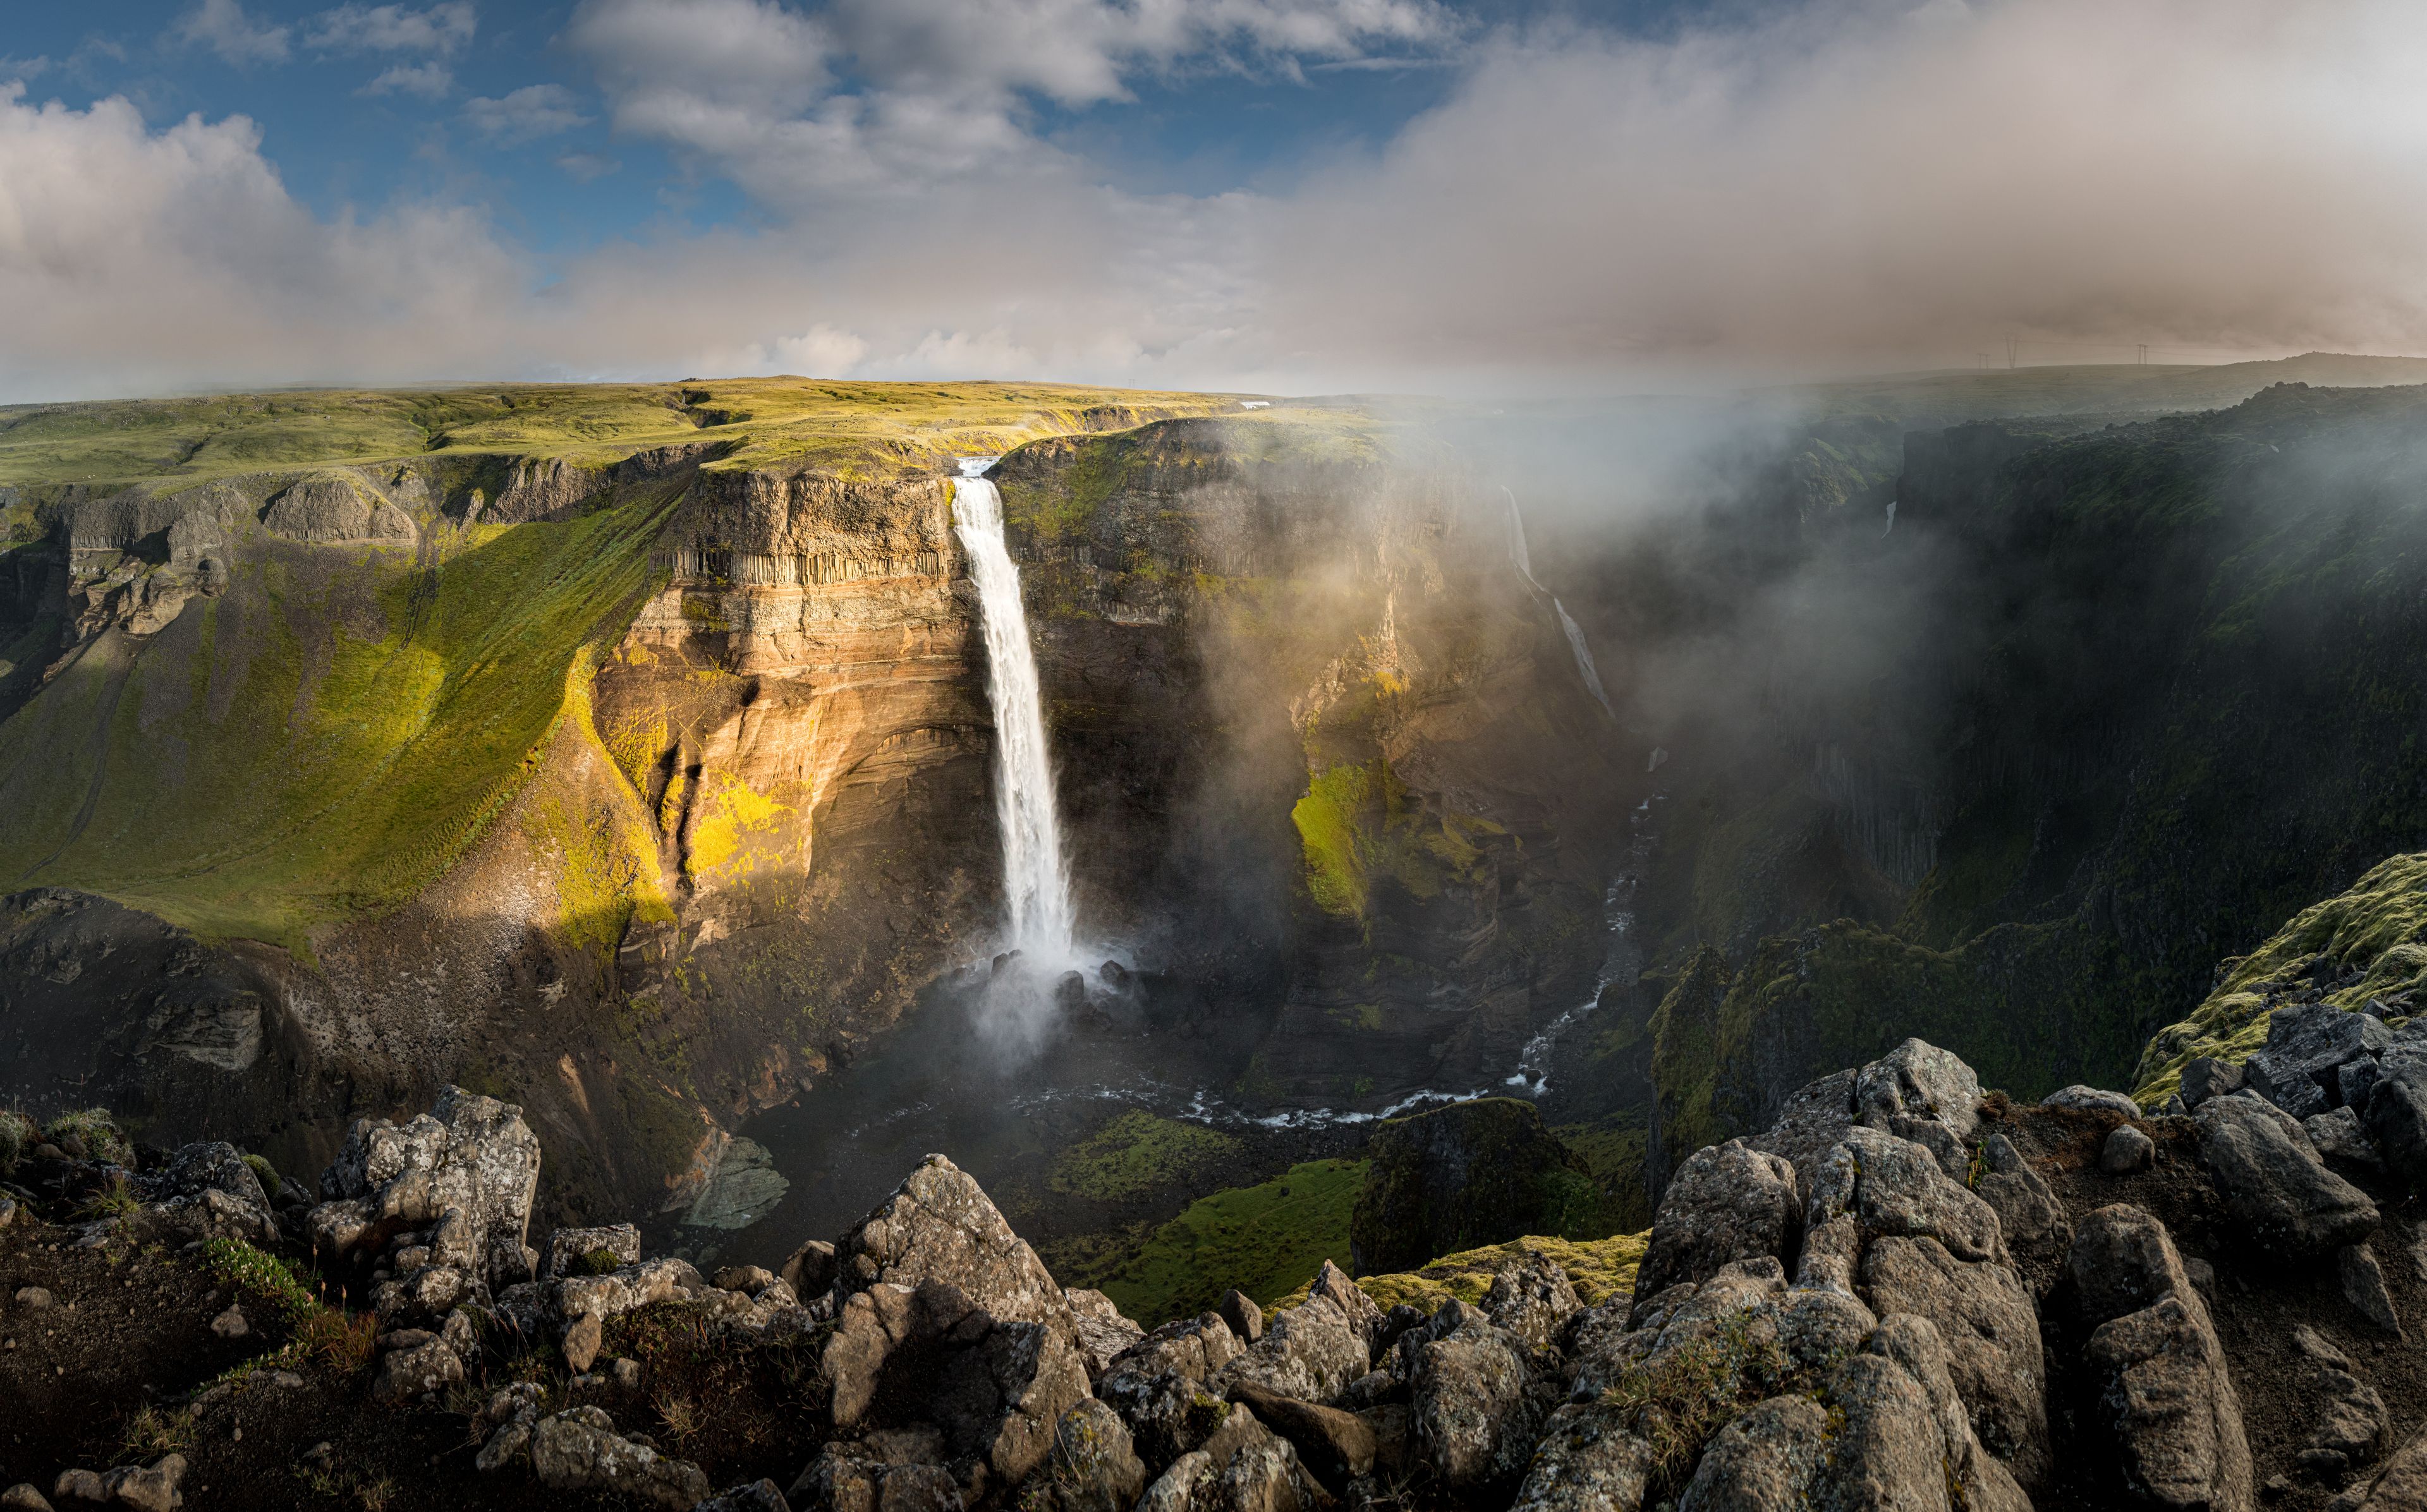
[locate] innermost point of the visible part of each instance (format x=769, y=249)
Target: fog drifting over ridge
x=1826, y=185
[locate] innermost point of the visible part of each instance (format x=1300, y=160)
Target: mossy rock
x=1465, y=1176
x=1598, y=1268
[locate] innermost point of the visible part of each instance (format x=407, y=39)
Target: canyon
x=628, y=752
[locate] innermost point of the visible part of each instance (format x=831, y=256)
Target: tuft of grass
x=1681, y=1399
x=113, y=1198
x=260, y=1275
x=94, y=1128
x=152, y=1433
x=17, y=1135
x=678, y=1415
x=345, y=1342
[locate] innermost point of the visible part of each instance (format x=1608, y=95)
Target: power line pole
x=2013, y=345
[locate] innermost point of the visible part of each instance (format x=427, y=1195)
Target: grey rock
x=2349, y=1417
x=611, y=1295
x=1333, y=1285
x=34, y=1298
x=583, y=1338
x=212, y=1193
x=2401, y=1486
x=1586, y=1462
x=626, y=1373
x=2287, y=1088
x=1984, y=1316
x=231, y=1323
x=2169, y=1404
x=1101, y=1333
x=2364, y=1288
x=1310, y=1351
x=1533, y=1299
x=2030, y=1218
x=1476, y=1407
x=2340, y=1139
x=2127, y=1152
x=405, y=1375
x=1093, y=1467
x=1892, y=1186
x=569, y=1247
x=1918, y=1080
x=2122, y=1261
x=1765, y=1461
x=939, y=1226
x=336, y=506
x=578, y=1450
x=2354, y=1080
x=466, y=1170
x=2206, y=1078
x=2311, y=1042
x=758, y=1496
x=1727, y=1202
x=1810, y=1125
x=22, y=1497
x=2092, y=1099
x=1158, y=1386
x=1336, y=1446
x=153, y=1487
x=2396, y=1118
x=79, y=1485
x=1175, y=1489
x=1980, y=1481
x=747, y=1280
x=894, y=1470
x=2280, y=1195
x=1260, y=1474
x=1240, y=1311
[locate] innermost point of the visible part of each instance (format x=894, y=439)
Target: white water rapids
x=1035, y=884
x=1525, y=563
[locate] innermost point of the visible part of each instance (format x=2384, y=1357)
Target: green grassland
x=858, y=430
x=1265, y=1240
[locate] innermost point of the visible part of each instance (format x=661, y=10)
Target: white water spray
x=1524, y=563
x=1035, y=882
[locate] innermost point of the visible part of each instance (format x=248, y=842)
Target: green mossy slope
x=2366, y=943
x=1265, y=1239
x=325, y=738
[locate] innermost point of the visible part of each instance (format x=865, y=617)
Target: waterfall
x=1524, y=562
x=1034, y=879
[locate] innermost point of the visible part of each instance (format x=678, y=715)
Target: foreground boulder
x=1727, y=1202
x=2165, y=1399
x=2277, y=1190
x=578, y=1450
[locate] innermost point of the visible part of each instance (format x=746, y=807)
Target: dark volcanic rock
x=1460, y=1178
x=2272, y=1182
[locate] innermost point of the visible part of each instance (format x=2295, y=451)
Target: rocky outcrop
x=1460, y=1178
x=2274, y=1183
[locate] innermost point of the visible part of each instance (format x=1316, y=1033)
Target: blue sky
x=1501, y=195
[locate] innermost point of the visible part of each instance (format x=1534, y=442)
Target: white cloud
x=1844, y=181
x=586, y=167
x=939, y=92
x=442, y=29
x=223, y=26
x=431, y=80
x=532, y=111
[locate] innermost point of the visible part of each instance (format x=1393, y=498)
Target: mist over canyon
x=1638, y=759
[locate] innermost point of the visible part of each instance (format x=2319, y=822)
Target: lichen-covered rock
x=2126, y=1151
x=1245, y=1467
x=2165, y=1398
x=1891, y=1186
x=2401, y=1486
x=758, y=1496
x=210, y=1192
x=1533, y=1299
x=2307, y=1045
x=1311, y=1352
x=1764, y=1461
x=1477, y=1405
x=1093, y=1467
x=2085, y=1098
x=1460, y=1178
x=1158, y=1386
x=894, y=1470
x=1586, y=1462
x=2030, y=1218
x=578, y=1450
x=2281, y=1197
x=618, y=1291
x=1102, y=1333
x=939, y=1226
x=466, y=1170
x=1337, y=1446
x=1983, y=1314
x=573, y=1251
x=1332, y=1284
x=405, y=1375
x=1727, y=1202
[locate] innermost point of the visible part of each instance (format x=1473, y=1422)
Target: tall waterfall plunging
x=1035, y=883
x=1524, y=563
